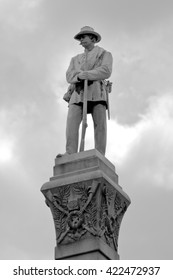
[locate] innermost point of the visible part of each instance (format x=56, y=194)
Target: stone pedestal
x=87, y=205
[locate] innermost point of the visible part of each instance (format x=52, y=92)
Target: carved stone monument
x=87, y=206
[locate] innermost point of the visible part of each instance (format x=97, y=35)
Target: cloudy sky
x=36, y=45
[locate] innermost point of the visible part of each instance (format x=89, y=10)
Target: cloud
x=143, y=67
x=6, y=150
x=145, y=149
x=135, y=16
x=20, y=15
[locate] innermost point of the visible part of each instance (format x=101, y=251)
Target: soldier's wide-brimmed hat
x=87, y=30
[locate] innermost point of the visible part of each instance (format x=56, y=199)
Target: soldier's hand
x=83, y=75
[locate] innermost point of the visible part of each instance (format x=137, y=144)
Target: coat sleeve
x=71, y=74
x=104, y=70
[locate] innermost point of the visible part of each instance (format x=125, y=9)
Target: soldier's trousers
x=74, y=118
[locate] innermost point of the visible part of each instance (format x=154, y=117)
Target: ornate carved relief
x=90, y=208
x=112, y=209
x=74, y=210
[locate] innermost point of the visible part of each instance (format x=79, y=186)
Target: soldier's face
x=86, y=40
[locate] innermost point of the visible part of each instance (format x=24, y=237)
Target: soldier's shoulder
x=102, y=50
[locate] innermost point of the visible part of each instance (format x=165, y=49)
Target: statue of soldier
x=93, y=65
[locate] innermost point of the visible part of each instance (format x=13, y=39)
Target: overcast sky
x=36, y=45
